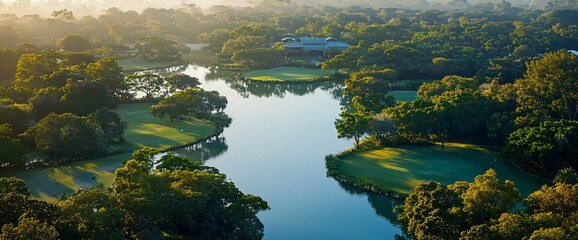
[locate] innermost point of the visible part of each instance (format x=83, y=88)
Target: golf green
x=143, y=130
x=286, y=74
x=402, y=168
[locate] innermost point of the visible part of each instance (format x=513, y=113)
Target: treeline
x=485, y=209
x=488, y=41
x=169, y=198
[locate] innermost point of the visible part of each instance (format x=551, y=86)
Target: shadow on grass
x=401, y=169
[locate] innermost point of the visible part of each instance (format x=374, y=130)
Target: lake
x=275, y=148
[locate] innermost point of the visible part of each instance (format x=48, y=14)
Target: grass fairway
x=401, y=169
x=143, y=130
x=137, y=64
x=287, y=74
x=403, y=95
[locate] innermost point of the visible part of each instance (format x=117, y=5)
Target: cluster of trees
x=193, y=102
x=59, y=103
x=533, y=119
x=483, y=210
x=172, y=197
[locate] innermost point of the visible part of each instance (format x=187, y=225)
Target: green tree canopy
x=549, y=90
x=67, y=137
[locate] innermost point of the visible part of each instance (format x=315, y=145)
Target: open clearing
x=401, y=169
x=143, y=130
x=286, y=74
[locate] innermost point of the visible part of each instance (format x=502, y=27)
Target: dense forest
x=494, y=73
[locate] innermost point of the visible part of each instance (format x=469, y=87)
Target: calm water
x=275, y=149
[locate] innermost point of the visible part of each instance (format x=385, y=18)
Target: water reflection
x=273, y=89
x=204, y=150
x=383, y=206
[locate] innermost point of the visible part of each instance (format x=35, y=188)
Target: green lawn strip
x=405, y=82
x=137, y=64
x=286, y=74
x=403, y=95
x=143, y=130
x=403, y=168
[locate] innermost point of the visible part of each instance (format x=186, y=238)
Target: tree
x=427, y=212
x=67, y=137
x=352, y=125
x=95, y=214
x=181, y=81
x=434, y=211
x=488, y=197
x=549, y=90
x=29, y=229
x=216, y=38
x=158, y=48
x=17, y=115
x=11, y=150
x=73, y=43
x=107, y=71
x=13, y=185
x=566, y=176
x=109, y=123
x=193, y=102
x=368, y=89
x=381, y=126
x=149, y=83
x=258, y=57
x=63, y=15
x=544, y=149
x=85, y=97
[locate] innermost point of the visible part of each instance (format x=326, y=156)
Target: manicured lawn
x=403, y=95
x=143, y=130
x=136, y=64
x=287, y=74
x=401, y=169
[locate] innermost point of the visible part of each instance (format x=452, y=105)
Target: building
x=313, y=46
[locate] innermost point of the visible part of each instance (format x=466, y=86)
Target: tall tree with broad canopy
x=109, y=122
x=73, y=43
x=194, y=102
x=158, y=48
x=549, y=90
x=67, y=137
x=368, y=89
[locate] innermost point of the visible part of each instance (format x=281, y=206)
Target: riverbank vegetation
x=136, y=206
x=502, y=76
x=142, y=130
x=482, y=209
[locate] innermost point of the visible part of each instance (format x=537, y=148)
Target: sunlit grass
x=403, y=168
x=143, y=130
x=287, y=74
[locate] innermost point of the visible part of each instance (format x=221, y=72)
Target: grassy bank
x=287, y=74
x=398, y=170
x=143, y=130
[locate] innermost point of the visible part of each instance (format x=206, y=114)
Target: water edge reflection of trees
x=382, y=205
x=249, y=88
x=207, y=149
